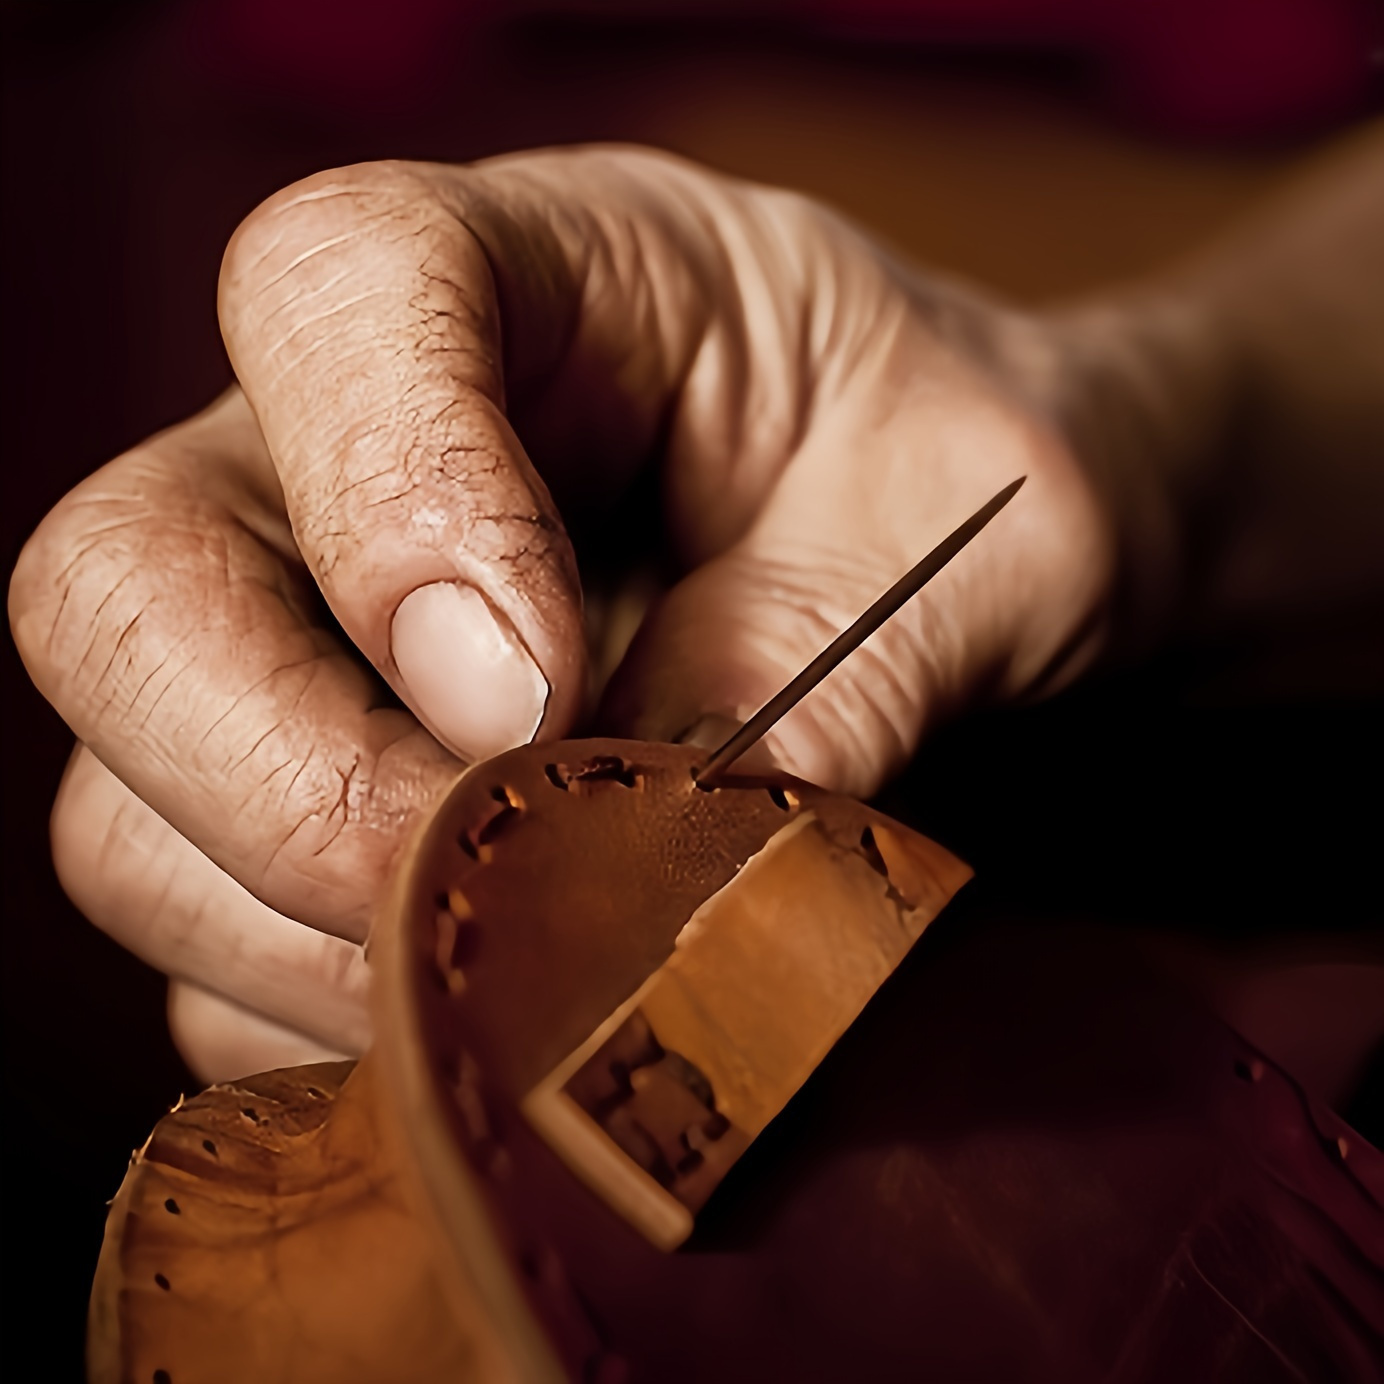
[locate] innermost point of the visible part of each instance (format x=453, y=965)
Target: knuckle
x=336, y=208
x=90, y=602
x=83, y=578
x=26, y=582
x=38, y=579
x=364, y=264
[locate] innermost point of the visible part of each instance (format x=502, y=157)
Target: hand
x=426, y=356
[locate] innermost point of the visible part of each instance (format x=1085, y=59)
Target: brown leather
x=1027, y=1160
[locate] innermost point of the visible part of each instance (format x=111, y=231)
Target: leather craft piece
x=1027, y=1159
x=262, y=1234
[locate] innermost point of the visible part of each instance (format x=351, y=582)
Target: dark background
x=1229, y=794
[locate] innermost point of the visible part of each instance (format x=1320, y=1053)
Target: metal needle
x=852, y=638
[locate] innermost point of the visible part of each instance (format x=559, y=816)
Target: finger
x=1012, y=612
x=363, y=324
x=161, y=898
x=222, y=1041
x=384, y=321
x=161, y=610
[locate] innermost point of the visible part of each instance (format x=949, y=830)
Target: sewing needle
x=854, y=636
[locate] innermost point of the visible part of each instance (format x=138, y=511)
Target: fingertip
x=223, y=1041
x=725, y=641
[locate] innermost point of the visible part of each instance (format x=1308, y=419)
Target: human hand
x=428, y=355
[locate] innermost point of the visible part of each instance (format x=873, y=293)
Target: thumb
x=363, y=321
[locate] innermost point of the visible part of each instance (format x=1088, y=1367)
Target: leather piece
x=1029, y=1159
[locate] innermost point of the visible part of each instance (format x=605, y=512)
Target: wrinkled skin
x=426, y=356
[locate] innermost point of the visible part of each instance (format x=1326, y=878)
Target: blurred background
x=1041, y=147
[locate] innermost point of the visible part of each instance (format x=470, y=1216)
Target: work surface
x=1028, y=1160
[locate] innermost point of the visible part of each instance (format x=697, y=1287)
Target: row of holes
x=602, y=769
x=511, y=805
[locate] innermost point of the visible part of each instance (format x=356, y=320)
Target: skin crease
x=426, y=356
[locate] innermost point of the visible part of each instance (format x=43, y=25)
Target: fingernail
x=470, y=678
